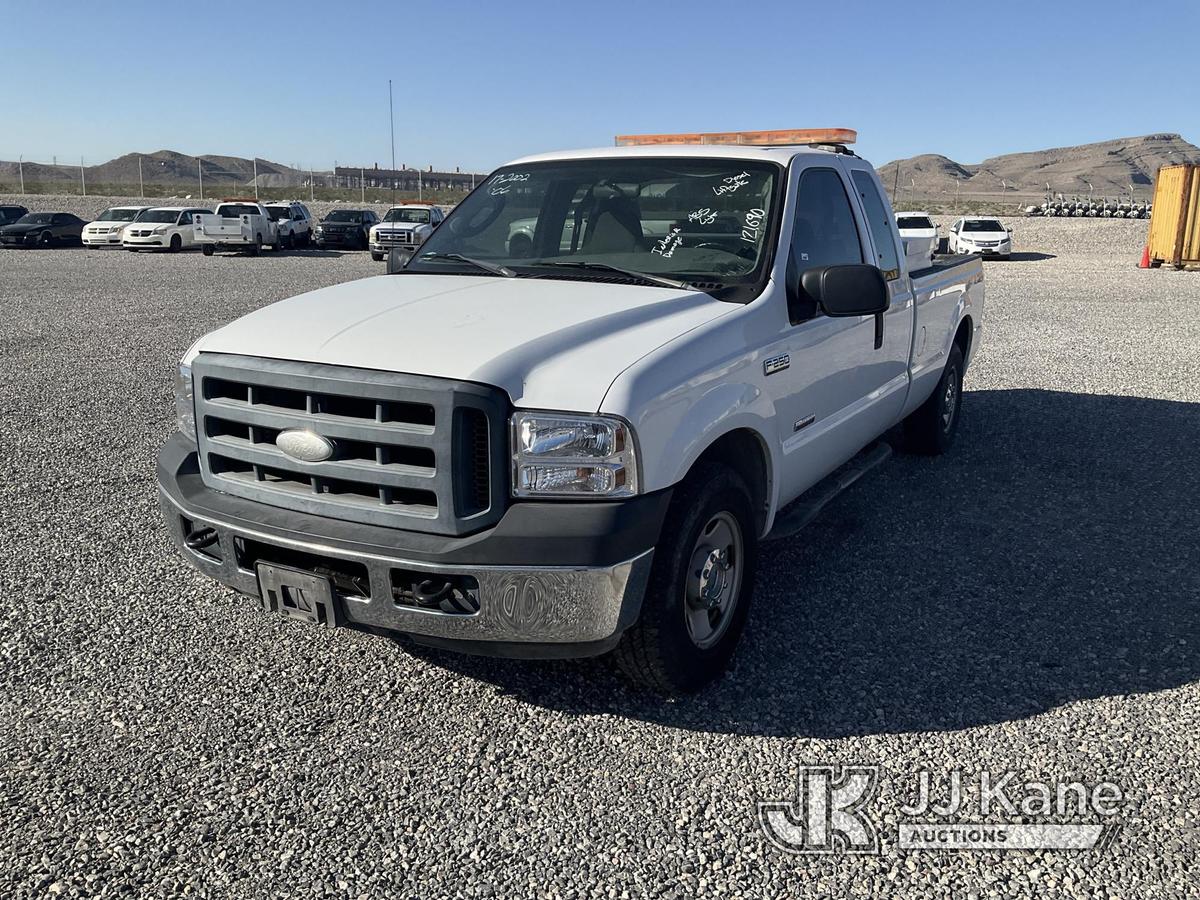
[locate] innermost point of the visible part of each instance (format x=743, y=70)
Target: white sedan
x=163, y=228
x=106, y=231
x=982, y=235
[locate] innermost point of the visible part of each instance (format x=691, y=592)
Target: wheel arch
x=744, y=450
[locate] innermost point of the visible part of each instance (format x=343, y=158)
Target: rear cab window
x=879, y=221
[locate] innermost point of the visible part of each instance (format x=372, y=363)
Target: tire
x=929, y=430
x=45, y=239
x=256, y=247
x=208, y=249
x=291, y=242
x=176, y=243
x=378, y=257
x=678, y=645
x=277, y=244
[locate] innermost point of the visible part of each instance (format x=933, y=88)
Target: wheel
x=256, y=247
x=291, y=242
x=378, y=257
x=700, y=585
x=277, y=244
x=208, y=249
x=176, y=243
x=364, y=242
x=45, y=239
x=929, y=430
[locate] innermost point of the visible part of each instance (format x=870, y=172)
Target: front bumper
x=553, y=579
x=338, y=238
x=18, y=240
x=102, y=240
x=153, y=241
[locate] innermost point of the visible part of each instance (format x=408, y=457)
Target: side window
x=880, y=223
x=824, y=232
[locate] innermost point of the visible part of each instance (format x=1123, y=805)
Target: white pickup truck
x=579, y=449
x=237, y=225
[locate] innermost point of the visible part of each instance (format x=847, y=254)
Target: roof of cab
x=782, y=155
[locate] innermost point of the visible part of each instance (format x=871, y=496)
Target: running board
x=800, y=512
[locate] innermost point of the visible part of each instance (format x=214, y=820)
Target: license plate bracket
x=296, y=594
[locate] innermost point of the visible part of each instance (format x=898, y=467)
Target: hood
x=25, y=227
x=983, y=235
x=549, y=344
x=399, y=226
x=917, y=232
x=337, y=226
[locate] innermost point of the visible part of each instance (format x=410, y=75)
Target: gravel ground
x=1027, y=603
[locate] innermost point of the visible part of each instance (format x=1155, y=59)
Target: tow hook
x=201, y=538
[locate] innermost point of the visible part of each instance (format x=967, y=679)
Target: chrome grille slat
x=330, y=426
x=388, y=474
x=407, y=449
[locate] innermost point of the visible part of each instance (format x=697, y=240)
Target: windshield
x=344, y=215
x=407, y=215
x=118, y=214
x=36, y=219
x=165, y=216
x=694, y=220
x=279, y=212
x=982, y=225
x=233, y=210
x=913, y=222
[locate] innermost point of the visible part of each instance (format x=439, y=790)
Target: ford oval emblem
x=305, y=446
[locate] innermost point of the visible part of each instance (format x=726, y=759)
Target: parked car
x=346, y=228
x=236, y=225
x=43, y=229
x=293, y=222
x=983, y=235
x=10, y=214
x=163, y=228
x=406, y=226
x=919, y=233
x=107, y=228
x=578, y=450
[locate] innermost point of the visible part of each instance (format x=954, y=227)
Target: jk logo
x=827, y=815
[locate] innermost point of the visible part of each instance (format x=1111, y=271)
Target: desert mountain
x=1110, y=166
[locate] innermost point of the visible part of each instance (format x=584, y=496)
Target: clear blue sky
x=477, y=84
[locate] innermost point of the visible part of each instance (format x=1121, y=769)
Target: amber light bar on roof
x=768, y=138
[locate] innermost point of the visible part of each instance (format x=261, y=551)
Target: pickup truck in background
x=406, y=227
x=578, y=449
x=236, y=225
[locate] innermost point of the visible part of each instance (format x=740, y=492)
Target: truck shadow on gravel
x=1030, y=257
x=1049, y=558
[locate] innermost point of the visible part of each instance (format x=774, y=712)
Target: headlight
x=320, y=229
x=161, y=229
x=561, y=455
x=185, y=403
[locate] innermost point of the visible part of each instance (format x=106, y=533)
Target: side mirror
x=398, y=259
x=857, y=290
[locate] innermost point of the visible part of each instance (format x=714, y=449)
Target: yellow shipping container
x=1175, y=219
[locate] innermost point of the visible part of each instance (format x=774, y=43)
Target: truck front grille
x=423, y=454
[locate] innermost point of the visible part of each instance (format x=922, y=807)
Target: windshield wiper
x=477, y=263
x=628, y=273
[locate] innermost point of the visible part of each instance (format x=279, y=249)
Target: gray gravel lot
x=1027, y=603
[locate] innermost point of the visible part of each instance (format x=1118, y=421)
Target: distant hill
x=164, y=167
x=1110, y=166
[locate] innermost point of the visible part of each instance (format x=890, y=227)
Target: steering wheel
x=743, y=252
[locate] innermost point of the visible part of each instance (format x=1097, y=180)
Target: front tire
x=700, y=586
x=378, y=257
x=929, y=430
x=208, y=249
x=45, y=240
x=176, y=243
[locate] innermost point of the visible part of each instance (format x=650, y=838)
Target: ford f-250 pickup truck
x=578, y=449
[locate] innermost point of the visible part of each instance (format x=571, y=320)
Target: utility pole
x=200, y=169
x=362, y=183
x=420, y=188
x=912, y=192
x=256, y=178
x=21, y=169
x=957, y=185
x=83, y=178
x=312, y=197
x=392, y=125
x=141, y=184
